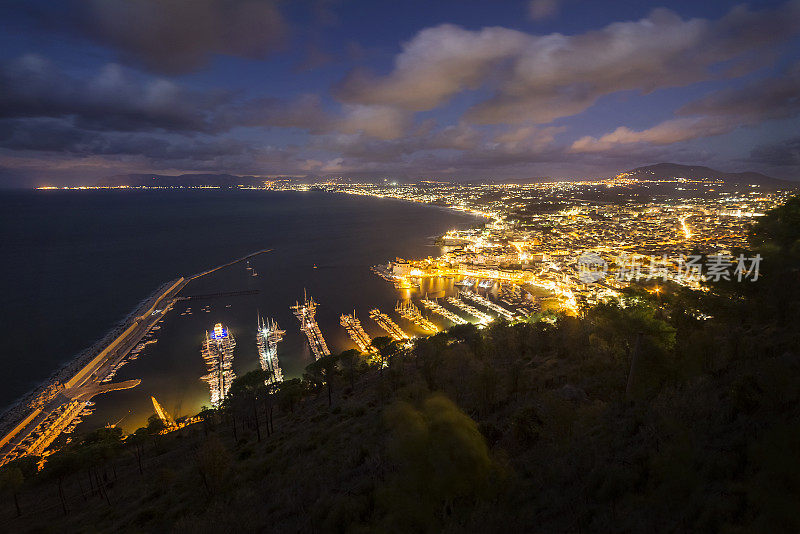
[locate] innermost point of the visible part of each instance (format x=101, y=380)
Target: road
x=42, y=426
x=34, y=433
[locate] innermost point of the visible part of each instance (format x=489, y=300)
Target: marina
x=305, y=313
x=408, y=310
x=217, y=351
x=166, y=359
x=385, y=322
x=267, y=339
x=434, y=307
x=482, y=317
x=353, y=327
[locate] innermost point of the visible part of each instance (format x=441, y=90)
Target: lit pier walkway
x=356, y=332
x=478, y=299
x=444, y=312
x=408, y=310
x=483, y=317
x=308, y=325
x=385, y=322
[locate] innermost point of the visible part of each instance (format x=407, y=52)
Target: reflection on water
x=337, y=276
x=171, y=368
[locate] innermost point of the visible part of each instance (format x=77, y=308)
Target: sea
x=76, y=262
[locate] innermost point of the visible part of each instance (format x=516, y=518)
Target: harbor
x=267, y=338
x=31, y=426
x=435, y=307
x=353, y=327
x=306, y=313
x=164, y=351
x=389, y=326
x=408, y=310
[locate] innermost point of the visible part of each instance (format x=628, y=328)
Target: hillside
x=638, y=417
x=696, y=172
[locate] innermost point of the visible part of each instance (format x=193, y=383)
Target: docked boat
x=217, y=351
x=267, y=339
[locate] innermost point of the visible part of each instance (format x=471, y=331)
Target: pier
x=267, y=339
x=305, y=313
x=33, y=424
x=482, y=317
x=385, y=322
x=218, y=267
x=478, y=299
x=356, y=332
x=438, y=309
x=409, y=311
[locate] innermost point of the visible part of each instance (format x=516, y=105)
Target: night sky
x=367, y=89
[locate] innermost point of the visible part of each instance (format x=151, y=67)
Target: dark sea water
x=74, y=263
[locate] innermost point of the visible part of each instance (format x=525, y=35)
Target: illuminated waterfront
x=342, y=251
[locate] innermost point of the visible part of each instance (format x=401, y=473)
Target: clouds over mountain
x=453, y=99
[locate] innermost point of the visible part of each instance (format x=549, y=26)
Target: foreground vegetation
x=643, y=415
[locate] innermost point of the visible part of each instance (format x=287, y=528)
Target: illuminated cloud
x=719, y=113
x=541, y=78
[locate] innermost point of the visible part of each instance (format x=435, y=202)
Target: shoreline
x=62, y=378
x=49, y=388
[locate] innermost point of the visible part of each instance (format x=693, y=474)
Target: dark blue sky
x=460, y=89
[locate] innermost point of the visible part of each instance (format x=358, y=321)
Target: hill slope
x=532, y=427
x=698, y=172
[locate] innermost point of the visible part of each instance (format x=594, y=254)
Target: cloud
x=179, y=36
x=61, y=136
x=117, y=100
x=543, y=9
x=113, y=99
x=307, y=112
x=782, y=154
x=541, y=78
x=381, y=122
x=719, y=113
x=438, y=63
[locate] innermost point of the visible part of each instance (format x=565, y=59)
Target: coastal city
x=534, y=249
x=402, y=267
x=535, y=237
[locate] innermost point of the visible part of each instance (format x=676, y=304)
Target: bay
x=74, y=263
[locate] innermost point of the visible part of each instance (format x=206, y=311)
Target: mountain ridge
x=666, y=170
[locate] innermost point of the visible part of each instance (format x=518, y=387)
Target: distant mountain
x=522, y=181
x=696, y=172
x=183, y=180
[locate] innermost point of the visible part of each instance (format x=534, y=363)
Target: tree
x=289, y=393
x=58, y=466
x=382, y=345
x=440, y=456
x=11, y=480
x=349, y=361
x=213, y=463
x=138, y=439
x=209, y=418
x=244, y=393
x=323, y=370
x=155, y=425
